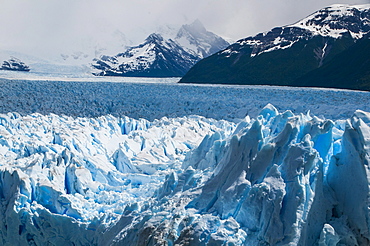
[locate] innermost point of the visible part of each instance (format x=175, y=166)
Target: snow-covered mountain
x=162, y=55
x=196, y=39
x=156, y=57
x=334, y=21
x=278, y=179
x=283, y=55
x=15, y=64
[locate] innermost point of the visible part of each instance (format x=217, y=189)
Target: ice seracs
x=57, y=171
x=278, y=179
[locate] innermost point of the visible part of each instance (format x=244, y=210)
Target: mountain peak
x=195, y=37
x=156, y=57
x=197, y=26
x=163, y=55
x=194, y=29
x=154, y=37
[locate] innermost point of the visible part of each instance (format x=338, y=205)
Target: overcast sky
x=44, y=26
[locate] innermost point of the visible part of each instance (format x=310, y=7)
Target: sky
x=49, y=27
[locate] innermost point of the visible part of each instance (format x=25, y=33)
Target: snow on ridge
x=345, y=7
x=329, y=15
x=138, y=58
x=333, y=21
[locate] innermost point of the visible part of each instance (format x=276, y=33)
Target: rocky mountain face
x=15, y=64
x=283, y=55
x=162, y=57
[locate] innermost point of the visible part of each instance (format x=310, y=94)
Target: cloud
x=53, y=26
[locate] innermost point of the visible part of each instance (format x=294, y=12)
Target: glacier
x=156, y=98
x=279, y=178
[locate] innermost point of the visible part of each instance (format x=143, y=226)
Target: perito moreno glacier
x=277, y=179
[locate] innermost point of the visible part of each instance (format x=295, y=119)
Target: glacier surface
x=275, y=179
x=155, y=98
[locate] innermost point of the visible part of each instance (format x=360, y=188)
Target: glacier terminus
x=277, y=179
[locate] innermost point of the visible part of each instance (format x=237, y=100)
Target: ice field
x=153, y=98
x=151, y=162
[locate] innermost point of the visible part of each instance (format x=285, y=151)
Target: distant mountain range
x=330, y=48
x=158, y=56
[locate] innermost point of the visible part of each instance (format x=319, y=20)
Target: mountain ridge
x=162, y=57
x=147, y=59
x=284, y=54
